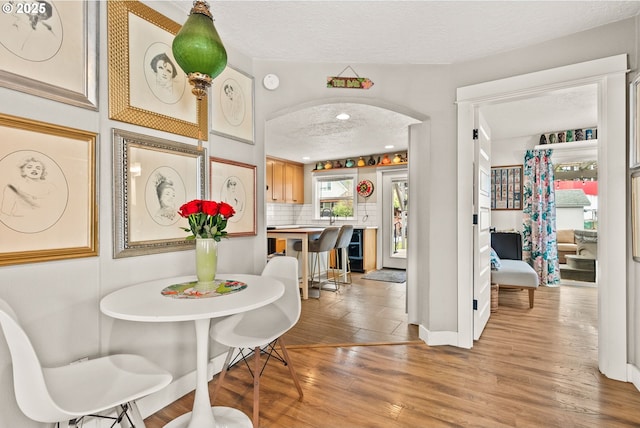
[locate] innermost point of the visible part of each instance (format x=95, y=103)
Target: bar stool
x=323, y=244
x=342, y=244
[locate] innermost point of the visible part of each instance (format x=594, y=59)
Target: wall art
x=47, y=192
x=232, y=105
x=152, y=179
x=49, y=49
x=146, y=85
x=235, y=183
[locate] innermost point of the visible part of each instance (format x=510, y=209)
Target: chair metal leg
x=335, y=277
x=133, y=417
x=345, y=271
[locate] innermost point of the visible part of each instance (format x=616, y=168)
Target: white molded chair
x=261, y=329
x=68, y=393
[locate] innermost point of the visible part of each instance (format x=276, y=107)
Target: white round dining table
x=145, y=302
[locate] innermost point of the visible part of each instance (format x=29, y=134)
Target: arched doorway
x=304, y=128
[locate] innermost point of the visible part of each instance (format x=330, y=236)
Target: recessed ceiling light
x=343, y=116
x=389, y=146
x=305, y=158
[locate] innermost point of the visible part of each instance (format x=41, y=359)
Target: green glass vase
x=206, y=263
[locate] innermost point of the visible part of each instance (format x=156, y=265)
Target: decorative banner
x=349, y=82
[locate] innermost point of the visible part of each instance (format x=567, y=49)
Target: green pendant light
x=198, y=49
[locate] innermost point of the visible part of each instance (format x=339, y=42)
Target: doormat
x=387, y=275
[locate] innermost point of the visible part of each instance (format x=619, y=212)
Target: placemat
x=220, y=287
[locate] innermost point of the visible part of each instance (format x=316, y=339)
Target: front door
x=482, y=225
x=395, y=198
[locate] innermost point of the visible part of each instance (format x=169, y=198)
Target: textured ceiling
x=555, y=111
x=404, y=32
x=316, y=134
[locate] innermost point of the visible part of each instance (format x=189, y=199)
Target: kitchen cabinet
x=294, y=183
x=275, y=180
x=285, y=182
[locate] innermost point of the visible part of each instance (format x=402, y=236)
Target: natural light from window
x=334, y=195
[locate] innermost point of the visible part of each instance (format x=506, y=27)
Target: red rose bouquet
x=207, y=219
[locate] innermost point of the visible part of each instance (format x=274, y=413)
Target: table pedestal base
x=224, y=416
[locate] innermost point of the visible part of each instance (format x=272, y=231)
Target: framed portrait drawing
x=232, y=105
x=152, y=179
x=634, y=108
x=47, y=192
x=506, y=187
x=635, y=215
x=49, y=49
x=146, y=85
x=235, y=183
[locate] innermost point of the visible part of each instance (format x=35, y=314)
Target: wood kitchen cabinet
x=294, y=183
x=285, y=182
x=275, y=180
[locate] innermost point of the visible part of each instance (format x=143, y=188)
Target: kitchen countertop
x=313, y=226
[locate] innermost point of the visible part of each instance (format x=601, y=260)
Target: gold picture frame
x=146, y=86
x=506, y=187
x=235, y=183
x=38, y=60
x=143, y=168
x=232, y=105
x=48, y=204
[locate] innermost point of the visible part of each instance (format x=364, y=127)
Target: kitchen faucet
x=332, y=218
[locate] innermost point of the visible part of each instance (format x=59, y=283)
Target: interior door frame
x=609, y=74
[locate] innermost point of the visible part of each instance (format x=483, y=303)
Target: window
x=334, y=195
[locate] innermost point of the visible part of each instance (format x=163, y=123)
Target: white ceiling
x=555, y=111
x=405, y=32
x=314, y=134
x=402, y=32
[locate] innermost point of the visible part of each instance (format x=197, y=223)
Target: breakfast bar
x=301, y=233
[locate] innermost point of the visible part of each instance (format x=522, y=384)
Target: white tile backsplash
x=280, y=214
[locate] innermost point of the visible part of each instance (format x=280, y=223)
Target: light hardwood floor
x=531, y=368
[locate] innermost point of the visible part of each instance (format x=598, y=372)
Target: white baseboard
x=436, y=338
x=633, y=375
x=177, y=388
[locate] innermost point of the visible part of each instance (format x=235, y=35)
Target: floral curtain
x=539, y=216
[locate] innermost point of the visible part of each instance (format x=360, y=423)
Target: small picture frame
x=153, y=178
x=232, y=105
x=634, y=109
x=48, y=204
x=146, y=85
x=235, y=183
x=54, y=56
x=635, y=215
x=506, y=187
